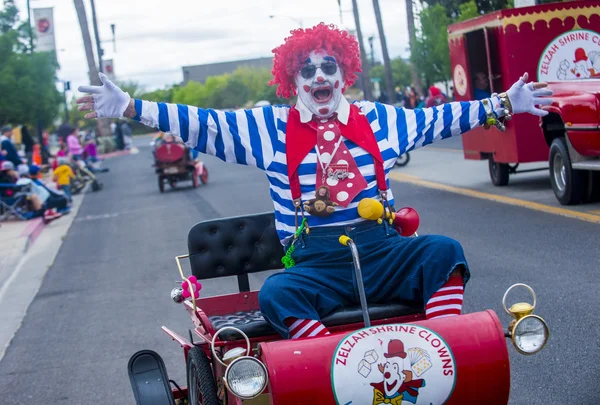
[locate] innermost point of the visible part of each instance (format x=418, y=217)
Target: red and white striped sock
x=300, y=328
x=447, y=301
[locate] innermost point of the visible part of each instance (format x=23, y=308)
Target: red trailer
x=558, y=43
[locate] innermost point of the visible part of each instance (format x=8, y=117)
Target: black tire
x=403, y=160
x=161, y=184
x=499, y=172
x=570, y=186
x=593, y=188
x=202, y=389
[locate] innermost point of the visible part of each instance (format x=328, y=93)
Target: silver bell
x=177, y=295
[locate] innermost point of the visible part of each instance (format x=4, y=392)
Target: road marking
x=584, y=216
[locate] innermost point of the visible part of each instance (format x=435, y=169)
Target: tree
x=27, y=79
x=452, y=7
x=401, y=73
x=431, y=54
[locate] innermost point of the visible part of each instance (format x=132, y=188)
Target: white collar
x=343, y=111
x=3, y=138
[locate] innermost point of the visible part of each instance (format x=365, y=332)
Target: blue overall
x=394, y=268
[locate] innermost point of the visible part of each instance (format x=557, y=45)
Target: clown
x=299, y=146
x=398, y=384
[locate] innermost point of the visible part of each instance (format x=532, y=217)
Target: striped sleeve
x=246, y=137
x=411, y=129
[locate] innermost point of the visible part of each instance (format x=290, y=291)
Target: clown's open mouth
x=322, y=94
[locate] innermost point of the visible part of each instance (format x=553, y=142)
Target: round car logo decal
x=574, y=55
x=393, y=364
x=460, y=80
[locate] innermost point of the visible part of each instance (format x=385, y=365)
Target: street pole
x=365, y=78
x=66, y=86
x=410, y=19
x=98, y=46
x=30, y=26
x=386, y=57
x=103, y=126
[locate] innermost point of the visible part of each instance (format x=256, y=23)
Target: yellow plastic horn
x=368, y=208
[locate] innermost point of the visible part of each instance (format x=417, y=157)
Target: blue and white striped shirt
x=257, y=138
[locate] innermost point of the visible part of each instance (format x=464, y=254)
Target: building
x=199, y=73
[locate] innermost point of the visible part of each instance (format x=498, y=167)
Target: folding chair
x=13, y=201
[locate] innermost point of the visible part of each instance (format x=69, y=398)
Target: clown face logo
x=393, y=364
x=573, y=55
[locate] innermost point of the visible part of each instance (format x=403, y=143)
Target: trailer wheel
x=161, y=184
x=202, y=389
x=569, y=185
x=403, y=160
x=593, y=191
x=498, y=172
x=204, y=175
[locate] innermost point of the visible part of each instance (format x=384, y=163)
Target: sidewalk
x=28, y=250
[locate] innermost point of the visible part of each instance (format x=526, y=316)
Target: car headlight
x=246, y=377
x=530, y=334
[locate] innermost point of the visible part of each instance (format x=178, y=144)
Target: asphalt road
x=107, y=293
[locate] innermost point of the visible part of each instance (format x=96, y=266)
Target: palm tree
x=386, y=57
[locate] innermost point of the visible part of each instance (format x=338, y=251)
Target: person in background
x=410, y=99
x=52, y=200
x=28, y=143
x=7, y=148
x=481, y=87
x=436, y=97
x=8, y=175
x=127, y=132
x=74, y=146
x=63, y=175
x=119, y=137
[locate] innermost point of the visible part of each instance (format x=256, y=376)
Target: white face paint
x=321, y=92
x=393, y=376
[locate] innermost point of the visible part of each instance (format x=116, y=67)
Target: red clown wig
x=290, y=56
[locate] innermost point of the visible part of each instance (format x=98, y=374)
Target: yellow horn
x=369, y=208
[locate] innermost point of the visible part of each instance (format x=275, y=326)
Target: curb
x=131, y=151
x=31, y=233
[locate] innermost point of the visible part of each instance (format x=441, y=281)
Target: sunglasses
x=308, y=71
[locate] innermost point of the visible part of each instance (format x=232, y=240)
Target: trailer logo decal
x=393, y=364
x=574, y=55
x=460, y=79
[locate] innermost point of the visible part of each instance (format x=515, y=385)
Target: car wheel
x=204, y=176
x=202, y=389
x=403, y=160
x=498, y=172
x=593, y=187
x=161, y=184
x=569, y=185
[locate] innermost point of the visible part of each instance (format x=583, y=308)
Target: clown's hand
x=524, y=97
x=408, y=374
x=106, y=101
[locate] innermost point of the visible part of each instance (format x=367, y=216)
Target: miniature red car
x=558, y=43
x=173, y=164
x=375, y=354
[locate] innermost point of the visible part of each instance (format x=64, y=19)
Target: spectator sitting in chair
x=51, y=201
x=8, y=175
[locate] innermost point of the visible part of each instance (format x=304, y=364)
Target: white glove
x=525, y=96
x=109, y=100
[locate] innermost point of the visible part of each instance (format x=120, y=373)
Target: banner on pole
x=44, y=29
x=109, y=68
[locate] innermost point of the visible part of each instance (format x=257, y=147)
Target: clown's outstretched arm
x=411, y=129
x=247, y=137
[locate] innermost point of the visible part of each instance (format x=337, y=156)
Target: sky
x=155, y=38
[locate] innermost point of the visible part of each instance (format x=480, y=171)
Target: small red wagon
x=173, y=164
x=376, y=353
x=558, y=43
